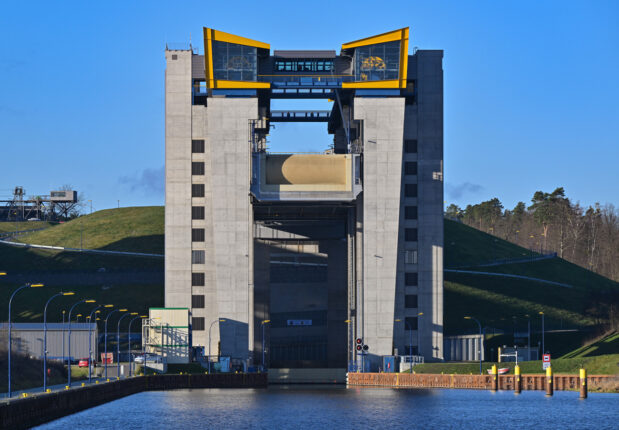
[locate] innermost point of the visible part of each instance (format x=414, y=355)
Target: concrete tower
x=304, y=253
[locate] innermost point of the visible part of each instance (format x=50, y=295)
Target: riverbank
x=602, y=383
x=607, y=364
x=43, y=407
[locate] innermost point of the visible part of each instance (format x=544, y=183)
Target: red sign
x=546, y=358
x=110, y=358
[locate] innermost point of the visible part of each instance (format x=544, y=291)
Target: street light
x=419, y=315
x=105, y=338
x=63, y=343
x=410, y=348
x=209, y=342
x=10, y=301
x=45, y=335
x=129, y=338
x=94, y=312
x=528, y=336
x=543, y=334
x=118, y=342
x=77, y=318
x=480, y=340
x=69, y=342
x=264, y=322
x=410, y=328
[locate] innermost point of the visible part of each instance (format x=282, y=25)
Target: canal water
x=311, y=407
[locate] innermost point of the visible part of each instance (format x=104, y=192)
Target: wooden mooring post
x=583, y=384
x=517, y=380
x=549, y=387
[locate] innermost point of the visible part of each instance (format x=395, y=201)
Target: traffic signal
x=360, y=345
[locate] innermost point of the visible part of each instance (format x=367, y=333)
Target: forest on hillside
x=586, y=236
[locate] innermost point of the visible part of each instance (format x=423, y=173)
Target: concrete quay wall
x=481, y=382
x=41, y=408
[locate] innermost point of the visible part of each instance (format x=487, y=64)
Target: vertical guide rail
x=351, y=288
x=345, y=121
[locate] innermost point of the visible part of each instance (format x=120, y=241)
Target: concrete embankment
x=38, y=409
x=480, y=382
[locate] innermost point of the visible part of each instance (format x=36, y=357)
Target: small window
x=197, y=279
x=174, y=57
x=197, y=323
x=410, y=256
x=197, y=190
x=410, y=212
x=197, y=146
x=410, y=301
x=410, y=279
x=411, y=350
x=197, y=235
x=197, y=257
x=197, y=168
x=410, y=168
x=197, y=301
x=197, y=212
x=410, y=234
x=410, y=323
x=410, y=190
x=410, y=146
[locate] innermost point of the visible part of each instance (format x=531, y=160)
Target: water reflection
x=346, y=408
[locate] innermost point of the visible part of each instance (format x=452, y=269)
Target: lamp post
x=105, y=338
x=410, y=348
x=543, y=334
x=129, y=339
x=209, y=342
x=480, y=339
x=69, y=340
x=10, y=301
x=94, y=312
x=63, y=343
x=419, y=315
x=118, y=343
x=45, y=335
x=264, y=322
x=528, y=337
x=77, y=318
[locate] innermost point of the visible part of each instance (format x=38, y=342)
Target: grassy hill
x=465, y=246
x=10, y=227
x=497, y=302
x=506, y=303
x=135, y=229
x=126, y=229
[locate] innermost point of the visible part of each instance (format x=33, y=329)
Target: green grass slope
x=10, y=227
x=466, y=246
x=504, y=303
x=134, y=229
x=607, y=345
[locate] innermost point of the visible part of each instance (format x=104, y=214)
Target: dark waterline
x=284, y=407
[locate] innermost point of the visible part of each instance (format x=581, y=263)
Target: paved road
x=507, y=275
x=111, y=373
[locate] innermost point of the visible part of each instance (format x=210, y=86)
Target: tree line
x=586, y=236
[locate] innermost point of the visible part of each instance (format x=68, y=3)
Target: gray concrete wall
x=178, y=178
x=424, y=123
x=231, y=243
x=383, y=120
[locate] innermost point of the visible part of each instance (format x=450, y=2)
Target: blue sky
x=531, y=89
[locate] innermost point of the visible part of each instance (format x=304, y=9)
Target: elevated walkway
x=300, y=116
